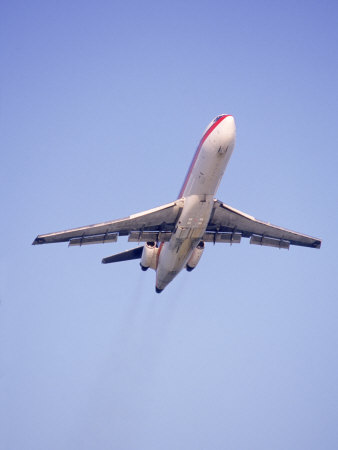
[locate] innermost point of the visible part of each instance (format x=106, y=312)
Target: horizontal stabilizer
x=134, y=253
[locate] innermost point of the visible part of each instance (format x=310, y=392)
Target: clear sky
x=102, y=106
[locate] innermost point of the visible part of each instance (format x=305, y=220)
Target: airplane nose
x=230, y=126
x=230, y=120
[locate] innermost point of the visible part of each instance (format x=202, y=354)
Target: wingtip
x=318, y=244
x=38, y=240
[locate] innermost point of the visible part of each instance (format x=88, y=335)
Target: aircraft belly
x=190, y=229
x=209, y=169
x=198, y=193
x=173, y=258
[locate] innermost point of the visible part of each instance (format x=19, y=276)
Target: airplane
x=175, y=233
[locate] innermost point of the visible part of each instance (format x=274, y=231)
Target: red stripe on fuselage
x=206, y=134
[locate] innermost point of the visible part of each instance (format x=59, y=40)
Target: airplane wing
x=162, y=219
x=225, y=219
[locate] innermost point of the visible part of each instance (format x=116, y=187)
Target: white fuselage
x=198, y=191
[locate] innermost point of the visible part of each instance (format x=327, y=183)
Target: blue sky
x=102, y=107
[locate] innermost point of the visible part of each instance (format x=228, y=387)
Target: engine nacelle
x=149, y=256
x=195, y=257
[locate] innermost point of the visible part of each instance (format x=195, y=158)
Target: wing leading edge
x=161, y=219
x=224, y=218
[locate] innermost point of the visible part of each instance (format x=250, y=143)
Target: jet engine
x=195, y=257
x=149, y=256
